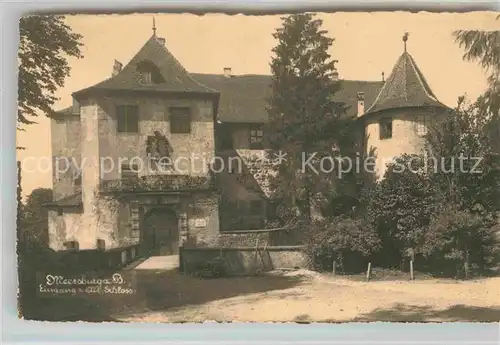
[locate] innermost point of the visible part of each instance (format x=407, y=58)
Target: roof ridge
x=180, y=65
x=175, y=78
x=378, y=96
x=421, y=79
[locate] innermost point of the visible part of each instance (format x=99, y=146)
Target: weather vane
x=154, y=27
x=405, y=38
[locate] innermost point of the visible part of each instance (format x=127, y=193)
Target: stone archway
x=160, y=232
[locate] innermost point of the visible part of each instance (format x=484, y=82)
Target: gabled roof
x=405, y=87
x=73, y=200
x=175, y=78
x=244, y=98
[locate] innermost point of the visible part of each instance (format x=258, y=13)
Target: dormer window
x=146, y=78
x=149, y=73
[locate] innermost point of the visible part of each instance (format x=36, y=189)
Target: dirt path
x=309, y=297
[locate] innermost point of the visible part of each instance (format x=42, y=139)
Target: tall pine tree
x=302, y=113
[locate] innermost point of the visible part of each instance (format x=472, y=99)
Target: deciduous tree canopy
x=45, y=44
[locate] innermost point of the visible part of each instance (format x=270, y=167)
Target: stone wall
x=107, y=212
x=245, y=261
x=64, y=228
x=92, y=141
x=192, y=152
x=66, y=147
x=243, y=239
x=203, y=220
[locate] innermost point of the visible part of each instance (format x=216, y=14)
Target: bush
x=347, y=241
x=462, y=242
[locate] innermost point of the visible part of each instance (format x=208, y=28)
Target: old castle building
x=125, y=131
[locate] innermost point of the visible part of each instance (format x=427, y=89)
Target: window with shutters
x=180, y=120
x=127, y=117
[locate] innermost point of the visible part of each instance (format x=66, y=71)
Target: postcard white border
x=21, y=331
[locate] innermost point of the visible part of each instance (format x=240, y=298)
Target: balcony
x=158, y=183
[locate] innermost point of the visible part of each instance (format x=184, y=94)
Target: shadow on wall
x=411, y=313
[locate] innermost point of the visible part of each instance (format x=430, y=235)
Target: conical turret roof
x=173, y=77
x=405, y=87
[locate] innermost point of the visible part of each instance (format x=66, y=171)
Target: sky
x=366, y=44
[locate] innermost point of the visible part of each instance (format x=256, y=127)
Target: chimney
x=335, y=75
x=227, y=72
x=161, y=40
x=117, y=67
x=361, y=103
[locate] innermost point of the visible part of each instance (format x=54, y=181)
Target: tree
x=45, y=44
x=401, y=207
x=484, y=47
x=302, y=114
x=464, y=238
x=465, y=164
x=35, y=217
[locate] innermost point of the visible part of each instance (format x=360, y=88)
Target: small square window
x=385, y=128
x=180, y=120
x=71, y=245
x=421, y=126
x=127, y=117
x=256, y=138
x=146, y=78
x=60, y=211
x=101, y=245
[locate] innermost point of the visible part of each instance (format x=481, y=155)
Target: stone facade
x=66, y=147
x=102, y=150
x=94, y=207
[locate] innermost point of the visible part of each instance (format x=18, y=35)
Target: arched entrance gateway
x=160, y=232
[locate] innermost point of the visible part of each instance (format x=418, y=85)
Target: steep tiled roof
x=244, y=98
x=174, y=78
x=405, y=87
x=63, y=113
x=73, y=200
